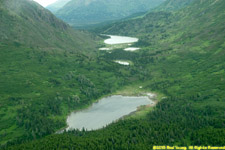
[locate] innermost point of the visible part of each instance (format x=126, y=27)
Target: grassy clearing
x=139, y=90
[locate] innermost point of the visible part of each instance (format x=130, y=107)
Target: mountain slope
x=174, y=5
x=86, y=12
x=57, y=5
x=44, y=63
x=182, y=56
x=183, y=25
x=28, y=23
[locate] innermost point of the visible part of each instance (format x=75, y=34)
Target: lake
x=122, y=62
x=131, y=49
x=105, y=111
x=114, y=39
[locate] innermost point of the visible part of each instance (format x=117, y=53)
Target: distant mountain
x=170, y=5
x=193, y=18
x=28, y=23
x=87, y=12
x=57, y=5
x=162, y=16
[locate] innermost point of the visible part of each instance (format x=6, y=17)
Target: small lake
x=105, y=111
x=122, y=62
x=131, y=49
x=114, y=39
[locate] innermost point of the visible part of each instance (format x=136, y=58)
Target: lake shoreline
x=152, y=98
x=107, y=110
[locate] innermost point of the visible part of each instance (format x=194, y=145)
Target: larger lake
x=105, y=111
x=120, y=39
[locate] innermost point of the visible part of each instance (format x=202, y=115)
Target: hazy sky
x=45, y=2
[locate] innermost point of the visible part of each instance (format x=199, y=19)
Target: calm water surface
x=122, y=62
x=114, y=39
x=105, y=111
x=131, y=49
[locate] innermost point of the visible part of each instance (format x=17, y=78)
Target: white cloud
x=45, y=2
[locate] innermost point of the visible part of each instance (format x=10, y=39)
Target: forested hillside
x=182, y=56
x=47, y=70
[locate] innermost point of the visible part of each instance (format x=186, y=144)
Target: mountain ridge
x=57, y=5
x=79, y=12
x=28, y=23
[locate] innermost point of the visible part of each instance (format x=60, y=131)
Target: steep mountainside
x=182, y=56
x=27, y=23
x=57, y=5
x=86, y=12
